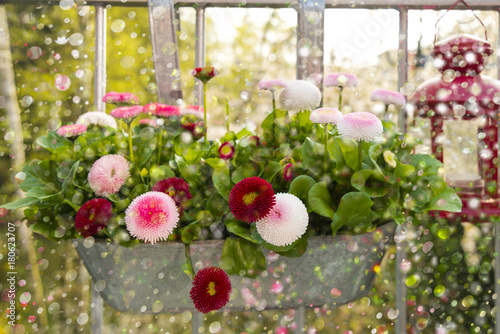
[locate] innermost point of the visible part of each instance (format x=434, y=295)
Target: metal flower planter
x=149, y=279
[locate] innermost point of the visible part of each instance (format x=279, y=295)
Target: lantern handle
x=453, y=6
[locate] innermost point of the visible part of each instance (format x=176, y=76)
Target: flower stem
x=325, y=156
x=360, y=154
x=189, y=262
x=205, y=110
x=386, y=113
x=160, y=137
x=74, y=206
x=274, y=100
x=341, y=89
x=227, y=115
x=130, y=145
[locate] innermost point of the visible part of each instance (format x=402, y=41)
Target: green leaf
x=243, y=132
x=41, y=174
x=270, y=171
x=40, y=193
x=349, y=149
x=239, y=229
x=122, y=205
x=320, y=201
x=188, y=172
x=216, y=163
x=402, y=170
x=139, y=189
x=244, y=171
x=299, y=248
x=289, y=249
x=190, y=232
x=20, y=203
x=371, y=182
x=222, y=183
x=53, y=141
x=445, y=200
x=300, y=187
x=241, y=257
x=160, y=173
x=425, y=164
x=354, y=212
x=71, y=176
x=312, y=153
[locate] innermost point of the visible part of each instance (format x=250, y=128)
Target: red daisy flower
x=211, y=289
x=197, y=128
x=226, y=151
x=204, y=73
x=161, y=110
x=93, y=216
x=251, y=199
x=176, y=188
x=254, y=140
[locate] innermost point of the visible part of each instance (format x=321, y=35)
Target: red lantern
x=461, y=108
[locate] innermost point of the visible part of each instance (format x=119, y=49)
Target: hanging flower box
x=297, y=189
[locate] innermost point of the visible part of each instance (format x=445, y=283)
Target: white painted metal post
x=401, y=230
x=96, y=316
x=100, y=57
x=199, y=56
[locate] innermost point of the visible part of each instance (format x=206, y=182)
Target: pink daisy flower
x=388, y=97
x=98, y=118
x=286, y=222
x=148, y=121
x=360, y=126
x=192, y=110
x=161, y=110
x=127, y=112
x=300, y=95
x=152, y=217
x=272, y=84
x=72, y=130
x=114, y=97
x=108, y=174
x=326, y=116
x=341, y=80
x=226, y=151
x=93, y=216
x=288, y=172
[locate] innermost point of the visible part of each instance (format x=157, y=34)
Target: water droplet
x=43, y=264
x=26, y=101
x=35, y=52
x=392, y=314
x=100, y=285
x=335, y=293
x=127, y=61
x=25, y=297
x=76, y=39
x=60, y=232
x=62, y=82
x=117, y=26
x=88, y=242
x=82, y=319
x=66, y=4
x=459, y=111
x=157, y=306
x=174, y=273
x=71, y=275
x=214, y=327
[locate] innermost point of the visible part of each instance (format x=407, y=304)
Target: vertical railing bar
x=401, y=230
x=199, y=56
x=96, y=315
x=300, y=316
x=196, y=322
x=100, y=57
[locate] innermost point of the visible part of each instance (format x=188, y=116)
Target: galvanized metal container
x=150, y=279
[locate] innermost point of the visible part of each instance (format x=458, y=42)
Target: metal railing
x=167, y=72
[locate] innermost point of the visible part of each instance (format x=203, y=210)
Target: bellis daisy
x=72, y=130
x=360, y=126
x=176, y=188
x=270, y=84
x=161, y=110
x=151, y=217
x=341, y=80
x=93, y=216
x=226, y=151
x=192, y=110
x=325, y=116
x=98, y=118
x=211, y=289
x=204, y=73
x=108, y=174
x=388, y=97
x=119, y=98
x=300, y=95
x=127, y=112
x=286, y=222
x=288, y=172
x=251, y=199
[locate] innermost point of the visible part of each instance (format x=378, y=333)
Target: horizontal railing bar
x=410, y=4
